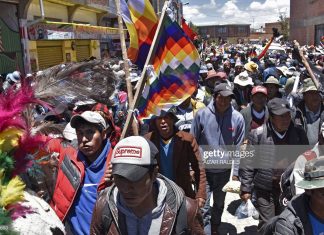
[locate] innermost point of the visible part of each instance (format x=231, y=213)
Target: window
x=319, y=32
x=203, y=30
x=221, y=30
x=241, y=29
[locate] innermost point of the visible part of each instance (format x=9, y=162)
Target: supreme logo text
x=126, y=151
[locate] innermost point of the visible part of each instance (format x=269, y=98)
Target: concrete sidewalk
x=231, y=225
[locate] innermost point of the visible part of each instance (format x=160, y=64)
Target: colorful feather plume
x=9, y=138
x=28, y=147
x=12, y=103
x=17, y=210
x=17, y=146
x=6, y=162
x=13, y=192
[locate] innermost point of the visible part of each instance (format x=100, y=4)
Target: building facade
x=11, y=52
x=63, y=31
x=306, y=21
x=268, y=27
x=231, y=32
x=266, y=32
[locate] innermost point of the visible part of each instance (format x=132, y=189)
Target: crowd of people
x=162, y=181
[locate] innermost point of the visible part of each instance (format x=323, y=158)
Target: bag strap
x=106, y=216
x=106, y=219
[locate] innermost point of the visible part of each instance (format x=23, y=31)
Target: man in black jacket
x=305, y=213
x=269, y=161
x=141, y=201
x=310, y=111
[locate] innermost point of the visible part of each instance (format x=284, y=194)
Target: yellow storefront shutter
x=49, y=53
x=82, y=50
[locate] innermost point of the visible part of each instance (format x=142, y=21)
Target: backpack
x=287, y=181
x=270, y=227
x=287, y=186
x=181, y=223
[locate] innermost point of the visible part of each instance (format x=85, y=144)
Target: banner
x=57, y=30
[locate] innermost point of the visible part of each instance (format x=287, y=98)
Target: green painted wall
x=11, y=58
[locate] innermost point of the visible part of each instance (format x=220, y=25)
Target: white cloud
x=192, y=13
x=255, y=6
x=268, y=11
x=270, y=5
x=232, y=12
x=231, y=9
x=197, y=12
x=208, y=6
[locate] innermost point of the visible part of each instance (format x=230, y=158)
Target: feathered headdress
x=17, y=147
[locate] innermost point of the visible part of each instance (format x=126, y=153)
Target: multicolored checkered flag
x=141, y=22
x=176, y=72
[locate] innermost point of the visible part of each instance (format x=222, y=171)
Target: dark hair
x=152, y=123
x=152, y=169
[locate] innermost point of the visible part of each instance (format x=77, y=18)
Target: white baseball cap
x=69, y=132
x=89, y=116
x=132, y=157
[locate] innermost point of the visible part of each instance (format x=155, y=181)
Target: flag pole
x=264, y=51
x=142, y=81
x=126, y=65
x=306, y=64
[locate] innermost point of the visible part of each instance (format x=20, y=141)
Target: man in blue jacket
x=81, y=175
x=219, y=130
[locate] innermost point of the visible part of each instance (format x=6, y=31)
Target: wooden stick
x=126, y=65
x=142, y=81
x=306, y=64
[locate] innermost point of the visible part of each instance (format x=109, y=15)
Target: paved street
x=233, y=226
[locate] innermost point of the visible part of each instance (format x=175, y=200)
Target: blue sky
x=254, y=12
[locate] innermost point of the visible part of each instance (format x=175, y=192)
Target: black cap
x=278, y=106
x=224, y=89
x=172, y=112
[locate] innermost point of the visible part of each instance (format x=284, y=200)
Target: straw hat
x=251, y=66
